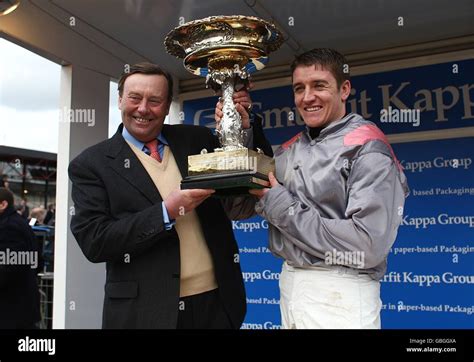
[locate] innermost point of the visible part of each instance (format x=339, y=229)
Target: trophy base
x=230, y=184
x=228, y=172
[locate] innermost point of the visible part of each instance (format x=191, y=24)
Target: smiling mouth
x=313, y=109
x=142, y=120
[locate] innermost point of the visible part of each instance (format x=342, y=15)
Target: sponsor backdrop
x=431, y=265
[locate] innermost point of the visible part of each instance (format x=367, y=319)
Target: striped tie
x=153, y=148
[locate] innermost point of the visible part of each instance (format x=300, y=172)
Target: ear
x=120, y=102
x=3, y=205
x=345, y=90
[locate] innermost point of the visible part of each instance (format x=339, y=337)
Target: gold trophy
x=225, y=50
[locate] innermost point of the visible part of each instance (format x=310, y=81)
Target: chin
x=316, y=123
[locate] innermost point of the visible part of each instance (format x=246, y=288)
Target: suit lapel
x=126, y=164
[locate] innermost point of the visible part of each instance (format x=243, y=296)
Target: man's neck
x=315, y=131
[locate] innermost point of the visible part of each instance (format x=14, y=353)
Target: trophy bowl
x=226, y=50
x=219, y=42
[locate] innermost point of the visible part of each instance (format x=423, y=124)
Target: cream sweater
x=197, y=270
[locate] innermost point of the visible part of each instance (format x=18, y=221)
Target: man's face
x=317, y=97
x=144, y=105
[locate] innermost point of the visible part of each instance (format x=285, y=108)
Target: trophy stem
x=230, y=133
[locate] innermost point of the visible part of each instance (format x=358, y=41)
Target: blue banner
x=429, y=282
x=430, y=273
x=433, y=97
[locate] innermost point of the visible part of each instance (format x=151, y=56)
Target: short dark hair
x=328, y=59
x=6, y=195
x=147, y=68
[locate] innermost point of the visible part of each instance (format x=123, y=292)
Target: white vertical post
x=78, y=284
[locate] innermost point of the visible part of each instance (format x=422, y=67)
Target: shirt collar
x=139, y=144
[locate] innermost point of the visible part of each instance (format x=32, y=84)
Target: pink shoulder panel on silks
x=288, y=143
x=363, y=134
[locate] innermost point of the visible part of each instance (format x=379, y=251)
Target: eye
x=319, y=86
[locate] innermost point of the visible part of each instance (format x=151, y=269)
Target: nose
x=143, y=106
x=308, y=96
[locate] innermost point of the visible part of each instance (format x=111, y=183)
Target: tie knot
x=152, y=145
x=153, y=148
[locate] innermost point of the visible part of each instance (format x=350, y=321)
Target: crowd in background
x=42, y=215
